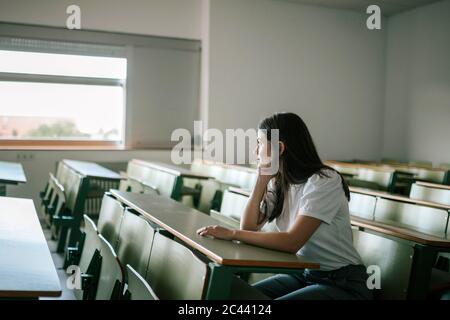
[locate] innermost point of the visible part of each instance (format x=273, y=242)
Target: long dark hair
x=298, y=162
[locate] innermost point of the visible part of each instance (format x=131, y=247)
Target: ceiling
x=388, y=7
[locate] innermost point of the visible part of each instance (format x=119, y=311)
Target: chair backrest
x=111, y=280
x=135, y=241
x=412, y=216
x=209, y=189
x=362, y=205
x=50, y=188
x=110, y=218
x=238, y=176
x=436, y=176
x=228, y=175
x=59, y=201
x=72, y=189
x=62, y=173
x=164, y=181
x=233, y=204
x=228, y=221
x=232, y=209
x=354, y=182
x=48, y=194
x=174, y=272
x=393, y=258
x=345, y=170
x=138, y=288
x=381, y=177
x=131, y=185
x=147, y=189
x=91, y=245
x=209, y=168
x=430, y=194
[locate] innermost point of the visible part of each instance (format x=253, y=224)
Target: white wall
x=417, y=116
x=323, y=64
x=170, y=18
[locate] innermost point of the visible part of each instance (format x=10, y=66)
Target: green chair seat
x=362, y=205
x=412, y=216
x=393, y=258
x=174, y=272
x=424, y=193
x=90, y=259
x=138, y=288
x=135, y=241
x=110, y=219
x=111, y=279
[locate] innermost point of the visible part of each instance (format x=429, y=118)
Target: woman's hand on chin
x=264, y=173
x=217, y=232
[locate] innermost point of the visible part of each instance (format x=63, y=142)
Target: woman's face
x=263, y=149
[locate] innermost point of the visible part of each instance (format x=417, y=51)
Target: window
x=82, y=88
x=63, y=92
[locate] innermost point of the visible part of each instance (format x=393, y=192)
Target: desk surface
x=11, y=173
x=433, y=185
x=183, y=222
x=92, y=170
x=402, y=233
x=175, y=170
x=26, y=266
x=390, y=196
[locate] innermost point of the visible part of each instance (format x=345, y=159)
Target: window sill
x=59, y=145
x=55, y=145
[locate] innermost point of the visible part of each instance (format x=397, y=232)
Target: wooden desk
x=433, y=185
x=227, y=257
x=172, y=169
x=26, y=266
x=96, y=180
x=244, y=192
x=401, y=233
x=10, y=173
x=390, y=196
x=92, y=170
x=425, y=249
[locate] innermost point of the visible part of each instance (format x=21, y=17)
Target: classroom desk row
x=26, y=266
x=10, y=173
x=390, y=196
x=226, y=257
x=426, y=248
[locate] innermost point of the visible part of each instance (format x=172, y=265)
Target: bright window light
x=78, y=97
x=60, y=111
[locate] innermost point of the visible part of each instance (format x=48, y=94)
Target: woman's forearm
x=281, y=241
x=249, y=220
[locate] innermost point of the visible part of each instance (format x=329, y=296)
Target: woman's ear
x=282, y=147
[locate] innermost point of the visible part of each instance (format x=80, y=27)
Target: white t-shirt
x=323, y=198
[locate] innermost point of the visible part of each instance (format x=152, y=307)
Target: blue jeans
x=346, y=283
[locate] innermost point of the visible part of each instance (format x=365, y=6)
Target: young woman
x=309, y=203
